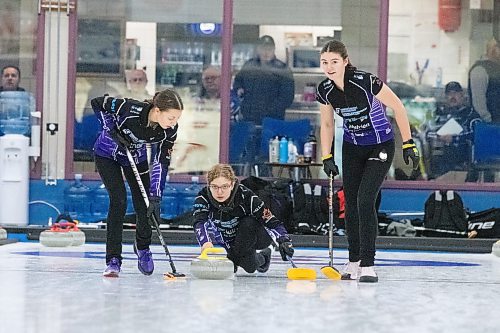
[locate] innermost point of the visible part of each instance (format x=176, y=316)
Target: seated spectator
x=452, y=151
x=136, y=84
x=11, y=75
x=210, y=80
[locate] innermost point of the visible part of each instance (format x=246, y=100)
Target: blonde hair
x=221, y=170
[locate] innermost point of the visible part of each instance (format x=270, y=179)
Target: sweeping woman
x=130, y=124
x=229, y=214
x=367, y=150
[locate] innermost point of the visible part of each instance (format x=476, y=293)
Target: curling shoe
x=351, y=270
x=266, y=253
x=113, y=269
x=368, y=275
x=144, y=260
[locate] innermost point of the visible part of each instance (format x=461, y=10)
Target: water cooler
x=16, y=116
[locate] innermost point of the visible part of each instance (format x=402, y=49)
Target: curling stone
x=3, y=234
x=62, y=234
x=495, y=249
x=212, y=267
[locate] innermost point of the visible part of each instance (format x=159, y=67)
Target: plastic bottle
x=100, y=203
x=78, y=200
x=187, y=196
x=310, y=149
x=274, y=150
x=15, y=110
x=292, y=151
x=169, y=202
x=283, y=150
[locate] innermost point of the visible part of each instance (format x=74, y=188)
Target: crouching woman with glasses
x=231, y=215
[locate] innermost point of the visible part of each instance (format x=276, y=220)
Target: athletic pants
x=250, y=236
x=111, y=175
x=364, y=169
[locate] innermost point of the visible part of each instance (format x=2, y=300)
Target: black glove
x=329, y=166
x=154, y=208
x=119, y=138
x=410, y=151
x=285, y=247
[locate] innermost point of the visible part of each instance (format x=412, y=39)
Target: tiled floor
x=62, y=290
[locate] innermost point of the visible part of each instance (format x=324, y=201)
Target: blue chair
x=85, y=135
x=486, y=150
x=298, y=130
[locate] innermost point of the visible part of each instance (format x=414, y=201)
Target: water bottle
x=310, y=149
x=78, y=200
x=15, y=111
x=283, y=158
x=274, y=150
x=292, y=151
x=100, y=203
x=187, y=196
x=169, y=205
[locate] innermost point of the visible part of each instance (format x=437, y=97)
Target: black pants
x=251, y=236
x=111, y=175
x=364, y=169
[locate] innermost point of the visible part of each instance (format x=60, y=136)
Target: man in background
x=484, y=84
x=11, y=75
x=265, y=84
x=452, y=151
x=136, y=84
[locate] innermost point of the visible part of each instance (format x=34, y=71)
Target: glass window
x=428, y=68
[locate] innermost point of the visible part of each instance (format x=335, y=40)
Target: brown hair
x=221, y=170
x=167, y=99
x=338, y=47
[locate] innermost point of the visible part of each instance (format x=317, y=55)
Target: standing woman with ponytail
x=130, y=124
x=367, y=150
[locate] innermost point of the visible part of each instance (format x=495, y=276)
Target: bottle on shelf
x=292, y=151
x=274, y=150
x=310, y=149
x=283, y=150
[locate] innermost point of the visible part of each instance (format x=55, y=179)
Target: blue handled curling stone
x=212, y=267
x=63, y=233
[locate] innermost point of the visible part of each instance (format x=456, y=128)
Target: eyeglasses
x=215, y=188
x=136, y=79
x=210, y=78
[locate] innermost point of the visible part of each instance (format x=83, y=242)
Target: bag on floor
x=485, y=223
x=310, y=208
x=276, y=196
x=444, y=210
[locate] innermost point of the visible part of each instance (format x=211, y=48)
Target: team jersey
x=130, y=117
x=365, y=119
x=218, y=222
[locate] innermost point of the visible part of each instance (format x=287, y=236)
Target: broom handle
x=330, y=218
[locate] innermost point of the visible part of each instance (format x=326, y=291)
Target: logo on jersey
x=136, y=109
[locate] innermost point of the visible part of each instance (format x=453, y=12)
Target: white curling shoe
x=351, y=271
x=368, y=275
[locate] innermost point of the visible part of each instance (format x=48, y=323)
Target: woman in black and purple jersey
x=367, y=150
x=130, y=124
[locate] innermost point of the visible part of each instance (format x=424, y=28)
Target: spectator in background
x=265, y=84
x=210, y=81
x=452, y=151
x=136, y=84
x=11, y=75
x=484, y=84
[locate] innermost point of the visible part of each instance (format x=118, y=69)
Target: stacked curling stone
x=212, y=267
x=3, y=233
x=495, y=249
x=63, y=233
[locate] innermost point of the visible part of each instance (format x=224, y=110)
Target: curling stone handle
x=210, y=250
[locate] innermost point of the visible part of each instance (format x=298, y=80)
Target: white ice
x=62, y=290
